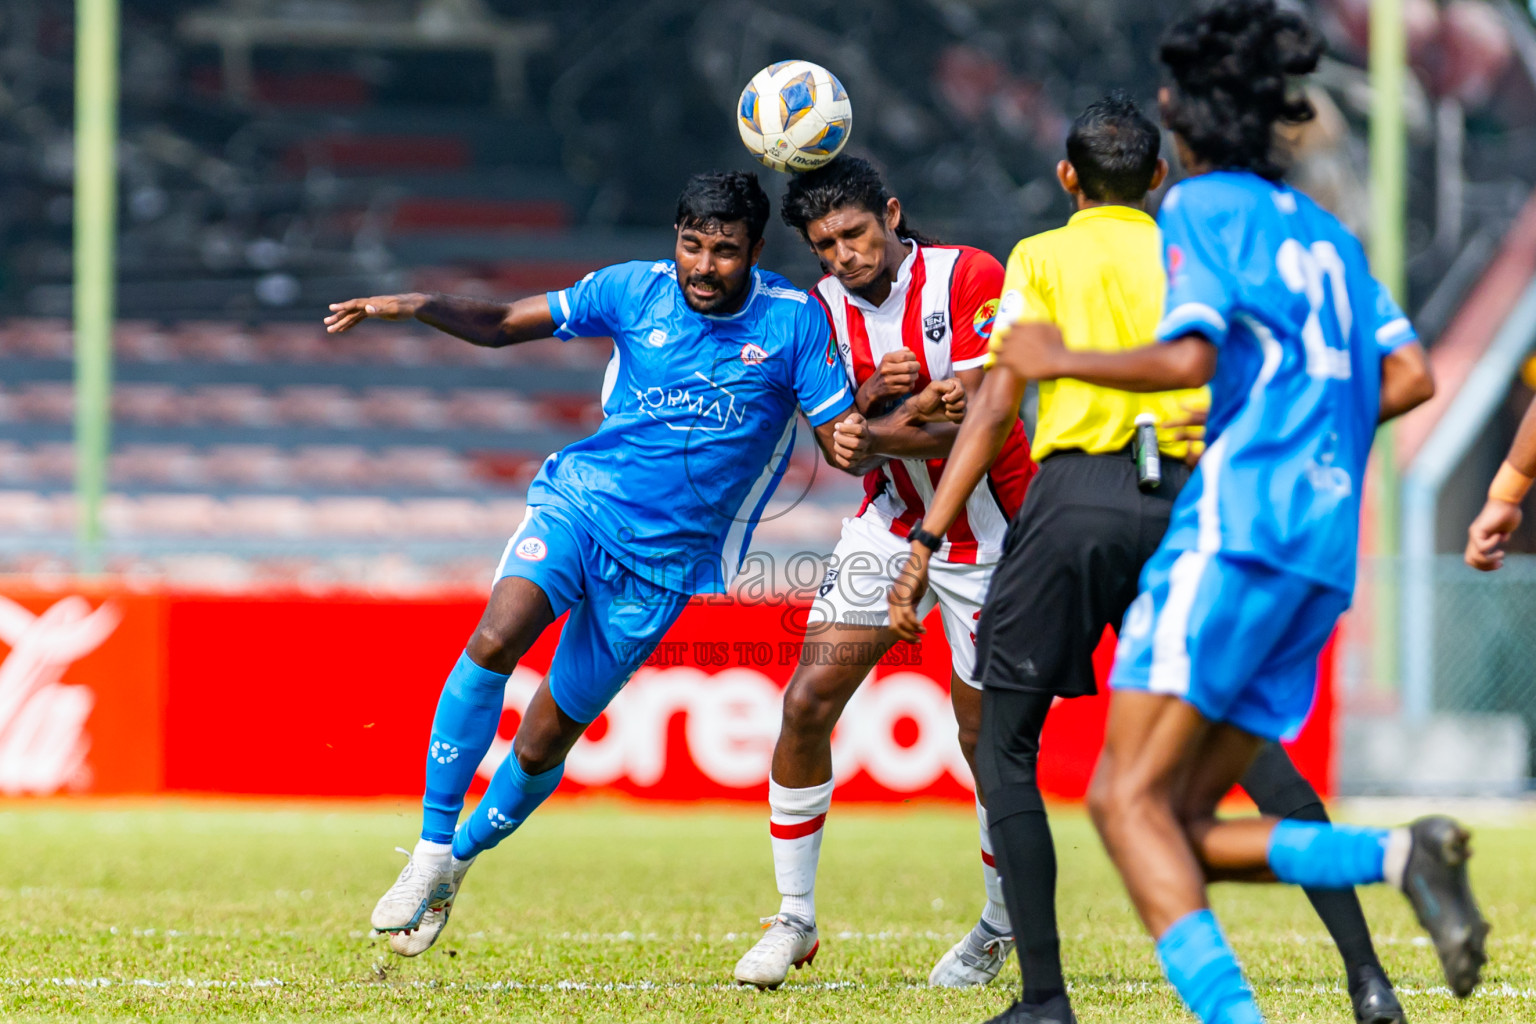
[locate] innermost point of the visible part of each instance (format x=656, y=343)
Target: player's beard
x=722, y=302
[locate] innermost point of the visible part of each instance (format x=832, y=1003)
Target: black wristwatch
x=923, y=537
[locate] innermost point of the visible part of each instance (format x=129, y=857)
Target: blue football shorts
x=616, y=619
x=1233, y=637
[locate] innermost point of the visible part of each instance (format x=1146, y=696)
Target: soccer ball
x=794, y=115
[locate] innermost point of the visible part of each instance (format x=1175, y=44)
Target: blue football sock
x=509, y=799
x=1201, y=966
x=462, y=731
x=1323, y=856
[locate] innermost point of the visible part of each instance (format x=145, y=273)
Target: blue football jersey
x=1301, y=327
x=699, y=418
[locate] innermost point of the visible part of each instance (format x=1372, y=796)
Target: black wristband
x=923, y=537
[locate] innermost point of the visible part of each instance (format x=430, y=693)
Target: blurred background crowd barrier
x=277, y=155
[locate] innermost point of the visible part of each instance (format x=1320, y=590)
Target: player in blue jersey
x=1271, y=302
x=712, y=357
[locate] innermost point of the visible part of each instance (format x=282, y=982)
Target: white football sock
x=435, y=854
x=1399, y=845
x=795, y=821
x=995, y=913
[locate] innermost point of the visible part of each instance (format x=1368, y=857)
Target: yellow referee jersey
x=1100, y=279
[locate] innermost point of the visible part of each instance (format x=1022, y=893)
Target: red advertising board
x=333, y=695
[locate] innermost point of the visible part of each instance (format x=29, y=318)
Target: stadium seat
x=250, y=465
x=416, y=408
x=157, y=465
x=332, y=466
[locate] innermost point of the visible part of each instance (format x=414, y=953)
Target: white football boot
x=974, y=960
x=425, y=879
x=789, y=942
x=418, y=940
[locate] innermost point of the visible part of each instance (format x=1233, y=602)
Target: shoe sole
x=409, y=926
x=411, y=931
x=765, y=986
x=1462, y=949
x=415, y=921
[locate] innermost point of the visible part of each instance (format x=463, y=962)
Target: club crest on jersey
x=831, y=352
x=753, y=355
x=985, y=317
x=828, y=582
x=933, y=326
x=531, y=549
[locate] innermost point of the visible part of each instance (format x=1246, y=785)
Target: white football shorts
x=865, y=563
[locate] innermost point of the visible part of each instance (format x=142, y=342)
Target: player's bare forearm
x=1406, y=381
x=872, y=398
x=1035, y=351
x=900, y=435
x=1522, y=453
x=488, y=324
x=990, y=417
x=1189, y=362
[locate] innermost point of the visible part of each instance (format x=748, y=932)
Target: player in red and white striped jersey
x=905, y=313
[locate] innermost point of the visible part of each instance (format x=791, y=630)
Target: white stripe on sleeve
x=824, y=406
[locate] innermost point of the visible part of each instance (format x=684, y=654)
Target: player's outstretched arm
x=1501, y=513
x=1034, y=351
x=976, y=446
x=488, y=324
x=1406, y=381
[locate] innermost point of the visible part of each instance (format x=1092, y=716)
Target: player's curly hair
x=842, y=181
x=1230, y=66
x=714, y=198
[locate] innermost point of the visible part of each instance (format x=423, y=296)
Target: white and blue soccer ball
x=794, y=115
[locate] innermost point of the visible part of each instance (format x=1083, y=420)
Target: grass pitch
x=607, y=912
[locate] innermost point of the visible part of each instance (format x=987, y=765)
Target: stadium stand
x=263, y=178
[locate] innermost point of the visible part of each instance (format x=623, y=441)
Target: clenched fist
x=941, y=401
x=850, y=440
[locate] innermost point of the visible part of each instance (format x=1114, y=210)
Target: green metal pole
x=96, y=35
x=1389, y=172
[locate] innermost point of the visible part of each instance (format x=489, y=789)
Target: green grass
x=604, y=912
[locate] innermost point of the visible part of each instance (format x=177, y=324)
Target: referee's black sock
x=1026, y=859
x=1280, y=791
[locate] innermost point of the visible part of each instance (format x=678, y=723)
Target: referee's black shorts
x=1070, y=565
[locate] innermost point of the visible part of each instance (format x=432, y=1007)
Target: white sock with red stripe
x=795, y=820
x=995, y=914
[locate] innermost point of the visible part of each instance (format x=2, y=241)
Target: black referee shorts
x=1070, y=565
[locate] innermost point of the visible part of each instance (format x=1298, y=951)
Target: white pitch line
x=1486, y=992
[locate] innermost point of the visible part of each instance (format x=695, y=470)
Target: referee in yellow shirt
x=1092, y=517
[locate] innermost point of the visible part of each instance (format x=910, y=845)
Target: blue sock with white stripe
x=1200, y=965
x=462, y=732
x=512, y=795
x=1324, y=856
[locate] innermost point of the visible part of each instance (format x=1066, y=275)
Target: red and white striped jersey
x=941, y=307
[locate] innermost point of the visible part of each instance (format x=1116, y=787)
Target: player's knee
x=1116, y=796
x=1099, y=801
x=537, y=753
x=969, y=734
x=807, y=713
x=493, y=647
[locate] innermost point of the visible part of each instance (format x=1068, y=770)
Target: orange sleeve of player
x=974, y=293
